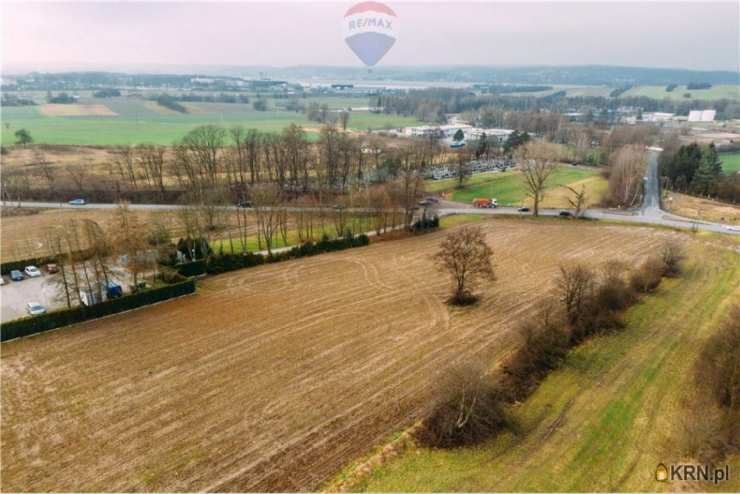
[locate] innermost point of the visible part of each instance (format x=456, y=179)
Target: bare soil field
x=272, y=378
x=76, y=110
x=30, y=156
x=702, y=209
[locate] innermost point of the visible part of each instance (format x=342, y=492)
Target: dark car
x=565, y=214
x=244, y=204
x=523, y=210
x=432, y=199
x=16, y=275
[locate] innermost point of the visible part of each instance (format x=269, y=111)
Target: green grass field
x=716, y=92
x=730, y=162
x=141, y=121
x=508, y=187
x=608, y=416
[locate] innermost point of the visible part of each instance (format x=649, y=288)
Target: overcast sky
x=665, y=34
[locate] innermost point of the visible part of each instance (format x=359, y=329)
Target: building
x=702, y=115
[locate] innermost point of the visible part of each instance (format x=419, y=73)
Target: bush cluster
x=56, y=319
x=469, y=407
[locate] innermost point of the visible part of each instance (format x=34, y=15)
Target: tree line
x=697, y=169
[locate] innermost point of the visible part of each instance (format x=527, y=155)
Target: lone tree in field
x=23, y=137
x=537, y=166
x=467, y=257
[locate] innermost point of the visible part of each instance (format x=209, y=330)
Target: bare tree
x=344, y=119
x=78, y=174
x=575, y=285
x=578, y=199
x=266, y=200
x=466, y=256
x=628, y=165
x=537, y=166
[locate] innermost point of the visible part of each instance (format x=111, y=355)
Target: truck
x=485, y=203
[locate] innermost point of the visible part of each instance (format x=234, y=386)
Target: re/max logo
x=364, y=22
x=694, y=472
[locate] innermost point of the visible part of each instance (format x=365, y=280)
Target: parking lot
x=16, y=294
x=47, y=290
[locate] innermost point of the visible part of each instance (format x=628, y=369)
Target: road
x=649, y=213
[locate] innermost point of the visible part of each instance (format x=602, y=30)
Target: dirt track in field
x=271, y=378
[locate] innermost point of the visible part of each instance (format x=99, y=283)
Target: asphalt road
x=649, y=213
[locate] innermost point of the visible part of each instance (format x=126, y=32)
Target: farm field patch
x=615, y=407
x=702, y=209
x=719, y=91
x=271, y=378
x=135, y=121
x=76, y=110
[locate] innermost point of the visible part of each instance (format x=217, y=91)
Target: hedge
x=194, y=268
x=45, y=322
x=231, y=262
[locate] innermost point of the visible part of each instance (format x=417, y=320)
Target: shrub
x=647, y=277
x=545, y=342
x=467, y=411
x=672, y=254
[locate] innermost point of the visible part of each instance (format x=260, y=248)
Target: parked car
x=565, y=214
x=35, y=308
x=32, y=271
x=244, y=204
x=523, y=209
x=2, y=281
x=16, y=275
x=432, y=199
x=52, y=268
x=77, y=202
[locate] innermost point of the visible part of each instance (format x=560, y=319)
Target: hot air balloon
x=370, y=30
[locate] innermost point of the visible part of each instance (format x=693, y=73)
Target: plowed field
x=270, y=378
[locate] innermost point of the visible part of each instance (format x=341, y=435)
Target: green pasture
x=730, y=162
x=140, y=121
x=721, y=91
x=507, y=187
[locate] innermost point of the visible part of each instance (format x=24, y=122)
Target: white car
x=35, y=308
x=32, y=271
x=731, y=228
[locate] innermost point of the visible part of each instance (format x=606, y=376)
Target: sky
x=51, y=36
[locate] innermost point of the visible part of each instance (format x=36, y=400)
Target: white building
x=702, y=115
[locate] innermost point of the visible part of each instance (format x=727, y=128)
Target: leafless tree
x=537, y=166
x=78, y=174
x=575, y=285
x=266, y=200
x=344, y=119
x=577, y=200
x=466, y=256
x=628, y=165
x=124, y=159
